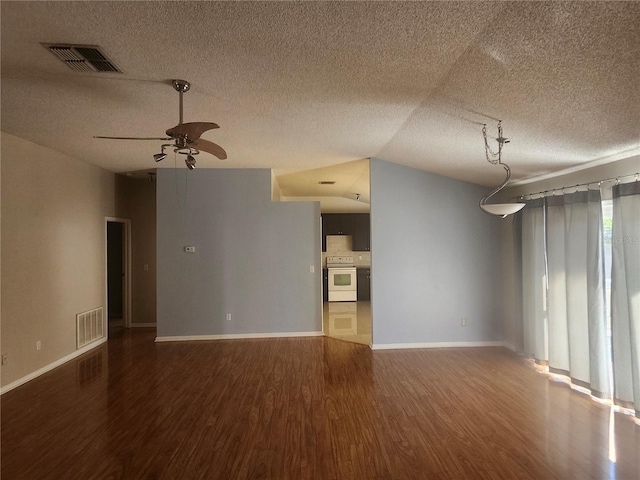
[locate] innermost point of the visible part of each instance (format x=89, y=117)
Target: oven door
x=342, y=284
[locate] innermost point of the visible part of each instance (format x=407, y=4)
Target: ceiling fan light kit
x=190, y=162
x=158, y=157
x=185, y=136
x=495, y=158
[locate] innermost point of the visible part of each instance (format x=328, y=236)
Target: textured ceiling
x=303, y=85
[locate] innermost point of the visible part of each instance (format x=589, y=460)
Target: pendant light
x=495, y=158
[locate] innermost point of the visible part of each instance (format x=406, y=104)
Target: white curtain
x=599, y=343
x=576, y=295
x=518, y=333
x=625, y=294
x=559, y=358
x=534, y=278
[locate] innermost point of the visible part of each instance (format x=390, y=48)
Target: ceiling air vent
x=83, y=58
x=327, y=182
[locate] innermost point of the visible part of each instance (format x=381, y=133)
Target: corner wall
x=53, y=252
x=251, y=260
x=436, y=258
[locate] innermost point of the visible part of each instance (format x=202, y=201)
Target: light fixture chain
x=492, y=157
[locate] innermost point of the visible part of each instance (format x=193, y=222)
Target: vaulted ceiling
x=297, y=86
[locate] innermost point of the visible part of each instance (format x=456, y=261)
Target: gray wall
x=435, y=259
x=252, y=256
x=53, y=252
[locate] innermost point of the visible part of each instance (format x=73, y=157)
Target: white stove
x=342, y=279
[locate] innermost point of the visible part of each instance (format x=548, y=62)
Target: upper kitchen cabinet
x=361, y=232
x=354, y=224
x=337, y=224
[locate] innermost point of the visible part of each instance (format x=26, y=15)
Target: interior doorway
x=118, y=272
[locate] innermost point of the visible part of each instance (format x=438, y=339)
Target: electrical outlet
x=228, y=317
x=463, y=322
x=38, y=345
x=4, y=359
x=312, y=268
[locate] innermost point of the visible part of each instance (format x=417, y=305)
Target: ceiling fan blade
x=191, y=130
x=134, y=138
x=210, y=147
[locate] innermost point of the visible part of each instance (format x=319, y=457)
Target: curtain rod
x=577, y=186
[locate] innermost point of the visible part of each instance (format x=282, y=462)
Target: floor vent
x=83, y=58
x=90, y=326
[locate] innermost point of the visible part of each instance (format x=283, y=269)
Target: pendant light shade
x=502, y=209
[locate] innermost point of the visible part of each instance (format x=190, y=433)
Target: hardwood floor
x=305, y=408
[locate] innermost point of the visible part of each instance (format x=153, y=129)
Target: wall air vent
x=89, y=327
x=326, y=182
x=82, y=58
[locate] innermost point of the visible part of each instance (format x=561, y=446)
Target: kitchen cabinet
x=361, y=232
x=358, y=225
x=325, y=285
x=336, y=224
x=364, y=284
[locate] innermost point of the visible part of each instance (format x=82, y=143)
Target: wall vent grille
x=83, y=58
x=90, y=326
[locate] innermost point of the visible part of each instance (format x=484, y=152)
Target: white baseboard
x=51, y=366
x=510, y=346
x=235, y=336
x=144, y=325
x=399, y=346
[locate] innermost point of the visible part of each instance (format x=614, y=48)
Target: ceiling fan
x=185, y=136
